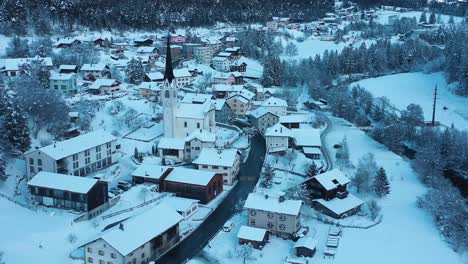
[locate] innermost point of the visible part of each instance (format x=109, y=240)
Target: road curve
x=326, y=152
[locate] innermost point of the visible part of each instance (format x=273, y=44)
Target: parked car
x=228, y=226
x=116, y=191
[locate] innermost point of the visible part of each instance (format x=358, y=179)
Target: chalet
x=277, y=138
x=149, y=173
x=307, y=137
x=339, y=208
x=152, y=52
x=196, y=141
x=139, y=239
x=238, y=78
x=203, y=54
x=64, y=83
x=223, y=111
x=231, y=41
x=237, y=66
x=177, y=38
x=281, y=217
x=305, y=247
x=143, y=42
x=263, y=94
x=203, y=186
x=150, y=91
x=262, y=119
x=223, y=161
x=171, y=149
x=184, y=206
x=67, y=42
x=328, y=185
x=226, y=90
x=221, y=63
x=11, y=67
x=69, y=192
x=104, y=86
x=257, y=237
x=156, y=77
x=183, y=77
x=101, y=42
x=239, y=105
x=64, y=68
x=276, y=105
x=294, y=121
x=120, y=45
x=224, y=78
x=77, y=156
x=92, y=72
x=235, y=52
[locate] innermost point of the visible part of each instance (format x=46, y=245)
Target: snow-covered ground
x=384, y=14
x=406, y=88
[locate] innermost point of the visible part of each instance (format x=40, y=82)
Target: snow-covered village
x=199, y=132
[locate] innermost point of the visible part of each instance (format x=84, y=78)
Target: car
x=125, y=183
x=116, y=191
x=228, y=226
x=123, y=187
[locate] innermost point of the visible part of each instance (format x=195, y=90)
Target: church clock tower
x=169, y=95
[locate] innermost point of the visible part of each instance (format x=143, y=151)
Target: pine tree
x=3, y=175
x=432, y=18
x=312, y=170
x=17, y=129
x=18, y=48
x=268, y=176
x=381, y=185
x=135, y=71
x=423, y=18
x=451, y=20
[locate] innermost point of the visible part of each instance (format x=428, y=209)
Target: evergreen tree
x=432, y=18
x=423, y=18
x=135, y=71
x=381, y=185
x=268, y=176
x=451, y=20
x=17, y=48
x=312, y=170
x=3, y=177
x=17, y=130
x=291, y=49
x=365, y=173
x=342, y=154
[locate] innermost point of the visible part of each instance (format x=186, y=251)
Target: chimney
x=121, y=226
x=281, y=197
x=146, y=173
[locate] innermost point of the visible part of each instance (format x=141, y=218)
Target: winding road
x=325, y=151
x=248, y=177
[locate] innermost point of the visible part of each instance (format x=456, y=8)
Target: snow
x=384, y=14
x=196, y=111
x=406, y=88
x=251, y=233
x=306, y=242
x=147, y=133
x=101, y=82
x=148, y=170
x=307, y=137
x=259, y=112
x=190, y=176
x=278, y=130
x=312, y=47
x=61, y=76
x=93, y=67
x=273, y=101
x=180, y=204
x=257, y=201
x=171, y=143
x=202, y=135
x=62, y=182
x=78, y=144
x=141, y=228
x=326, y=179
x=340, y=206
x=215, y=157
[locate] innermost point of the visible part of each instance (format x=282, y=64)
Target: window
x=205, y=166
x=90, y=250
x=31, y=169
x=113, y=255
x=282, y=218
x=253, y=212
x=108, y=145
x=198, y=125
x=75, y=165
x=270, y=215
x=87, y=160
x=101, y=253
x=185, y=124
x=31, y=161
x=166, y=94
x=98, y=149
x=143, y=255
x=98, y=156
x=109, y=152
x=87, y=152
x=252, y=222
x=75, y=157
x=215, y=167
x=270, y=225
x=282, y=226
x=90, y=260
x=39, y=162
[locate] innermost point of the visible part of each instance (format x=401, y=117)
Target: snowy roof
x=311, y=150
x=77, y=144
x=247, y=94
x=218, y=58
x=237, y=74
x=141, y=228
x=73, y=114
x=93, y=67
x=259, y=112
x=63, y=182
x=251, y=233
x=190, y=176
x=180, y=73
x=306, y=242
x=278, y=130
x=149, y=171
x=224, y=54
x=66, y=41
x=233, y=49
x=202, y=135
x=239, y=98
x=171, y=143
x=227, y=88
x=14, y=64
x=218, y=103
x=231, y=39
x=180, y=204
x=340, y=206
x=146, y=49
x=67, y=67
x=307, y=137
x=196, y=98
x=194, y=111
x=149, y=85
x=61, y=76
x=217, y=157
x=237, y=63
x=295, y=118
x=102, y=82
x=331, y=179
x=210, y=40
x=273, y=101
x=261, y=202
x=155, y=76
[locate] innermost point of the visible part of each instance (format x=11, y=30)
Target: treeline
x=18, y=16
x=451, y=8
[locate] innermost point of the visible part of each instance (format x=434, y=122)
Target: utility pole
x=434, y=105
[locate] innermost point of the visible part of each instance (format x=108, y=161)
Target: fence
x=136, y=206
x=97, y=211
x=27, y=206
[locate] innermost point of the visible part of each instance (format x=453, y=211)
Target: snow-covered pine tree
x=381, y=184
x=423, y=18
x=3, y=175
x=312, y=170
x=432, y=18
x=17, y=130
x=268, y=176
x=135, y=71
x=17, y=48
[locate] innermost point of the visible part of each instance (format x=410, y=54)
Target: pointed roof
x=169, y=73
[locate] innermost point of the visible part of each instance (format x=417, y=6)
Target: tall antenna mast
x=434, y=105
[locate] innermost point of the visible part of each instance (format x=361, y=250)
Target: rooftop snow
x=273, y=101
x=311, y=150
x=297, y=118
x=140, y=229
x=218, y=58
x=261, y=202
x=190, y=176
x=278, y=130
x=67, y=67
x=155, y=76
x=219, y=103
x=146, y=49
x=102, y=82
x=180, y=204
x=259, y=112
x=181, y=73
x=195, y=111
x=171, y=143
x=216, y=157
x=326, y=179
x=306, y=242
x=13, y=64
x=93, y=67
x=202, y=135
x=149, y=85
x=251, y=233
x=77, y=144
x=227, y=88
x=150, y=171
x=340, y=206
x=307, y=137
x=61, y=76
x=196, y=98
x=62, y=182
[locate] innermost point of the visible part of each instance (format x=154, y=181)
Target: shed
x=257, y=237
x=305, y=246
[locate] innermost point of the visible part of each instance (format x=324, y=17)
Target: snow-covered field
x=406, y=88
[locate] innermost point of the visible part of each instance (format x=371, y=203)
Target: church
x=182, y=118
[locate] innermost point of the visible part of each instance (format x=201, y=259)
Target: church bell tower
x=169, y=95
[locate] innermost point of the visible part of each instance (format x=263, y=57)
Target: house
x=178, y=38
x=176, y=51
x=237, y=66
x=11, y=67
x=223, y=161
x=183, y=77
x=92, y=72
x=156, y=77
x=68, y=192
x=276, y=105
x=238, y=78
x=281, y=217
x=235, y=52
x=149, y=173
x=294, y=121
x=64, y=83
x=257, y=237
x=213, y=43
x=262, y=119
x=307, y=138
x=171, y=149
x=239, y=105
x=64, y=68
x=196, y=141
x=328, y=185
x=224, y=78
x=104, y=86
x=197, y=98
x=101, y=42
x=231, y=41
x=77, y=156
x=138, y=239
x=223, y=111
x=184, y=206
x=221, y=63
x=150, y=91
x=67, y=42
x=188, y=49
x=277, y=138
x=263, y=94
x=305, y=247
x=152, y=52
x=203, y=54
x=203, y=186
x=226, y=90
x=139, y=42
x=339, y=208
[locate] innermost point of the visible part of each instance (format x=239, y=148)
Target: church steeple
x=169, y=72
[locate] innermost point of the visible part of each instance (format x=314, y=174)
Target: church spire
x=169, y=73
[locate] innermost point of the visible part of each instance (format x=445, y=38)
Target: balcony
x=62, y=167
x=342, y=194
